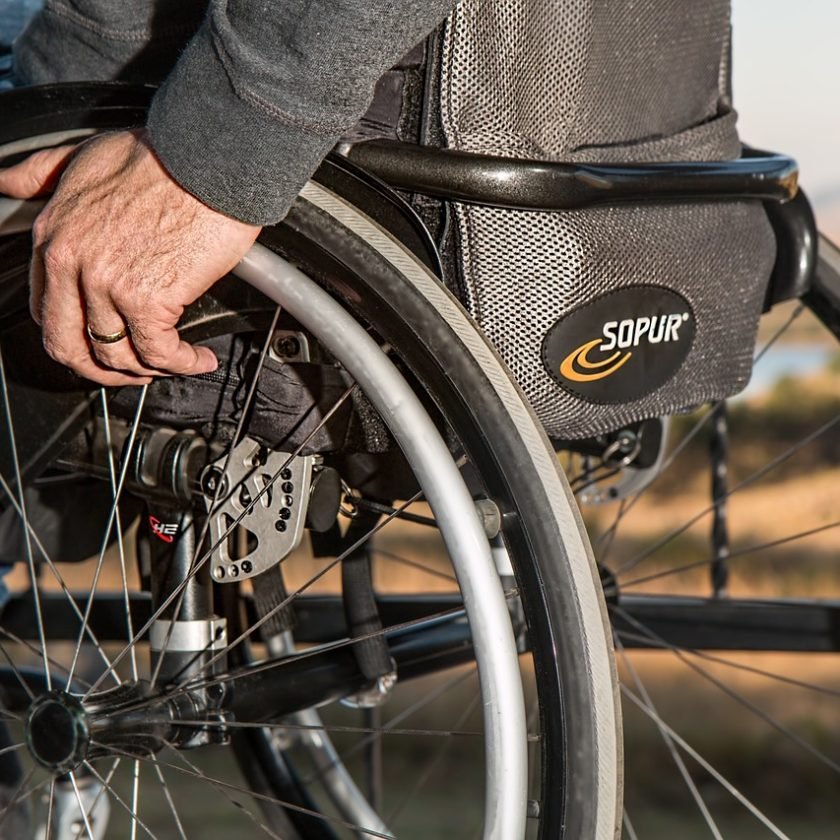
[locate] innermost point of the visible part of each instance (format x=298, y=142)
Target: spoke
x=112, y=471
x=71, y=419
x=737, y=697
x=606, y=539
x=118, y=798
x=82, y=810
x=135, y=790
x=311, y=582
x=628, y=827
x=689, y=436
x=669, y=744
x=33, y=577
x=735, y=555
x=240, y=425
x=749, y=480
x=303, y=727
x=50, y=806
x=55, y=572
x=207, y=554
x=194, y=771
x=719, y=777
x=99, y=794
x=112, y=515
x=393, y=722
x=396, y=558
x=800, y=308
x=170, y=801
x=35, y=649
x=739, y=666
x=672, y=457
x=433, y=764
x=280, y=663
x=20, y=795
x=221, y=787
x=18, y=676
x=387, y=510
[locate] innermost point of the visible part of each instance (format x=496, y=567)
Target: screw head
x=287, y=346
x=210, y=481
x=280, y=525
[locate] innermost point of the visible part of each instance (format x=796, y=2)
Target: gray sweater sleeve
x=265, y=89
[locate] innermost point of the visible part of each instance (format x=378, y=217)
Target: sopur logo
x=620, y=336
x=622, y=345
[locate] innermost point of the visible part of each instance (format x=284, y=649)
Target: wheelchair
x=310, y=584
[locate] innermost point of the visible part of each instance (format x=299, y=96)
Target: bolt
x=626, y=441
x=210, y=482
x=247, y=567
x=288, y=501
x=288, y=487
x=286, y=346
x=286, y=475
x=280, y=525
x=233, y=570
x=219, y=572
x=285, y=513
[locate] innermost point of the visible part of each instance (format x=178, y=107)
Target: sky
x=786, y=64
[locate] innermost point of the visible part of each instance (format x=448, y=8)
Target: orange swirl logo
x=579, y=358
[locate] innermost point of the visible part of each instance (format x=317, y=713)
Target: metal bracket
x=270, y=492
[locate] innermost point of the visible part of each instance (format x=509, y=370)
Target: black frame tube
x=520, y=184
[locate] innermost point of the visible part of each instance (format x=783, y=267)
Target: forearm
x=259, y=97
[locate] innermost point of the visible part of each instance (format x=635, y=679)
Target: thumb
x=36, y=175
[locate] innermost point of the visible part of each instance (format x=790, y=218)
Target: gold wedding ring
x=106, y=338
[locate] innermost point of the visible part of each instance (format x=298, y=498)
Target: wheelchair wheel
x=719, y=558
x=401, y=710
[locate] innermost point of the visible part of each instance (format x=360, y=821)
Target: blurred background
x=786, y=77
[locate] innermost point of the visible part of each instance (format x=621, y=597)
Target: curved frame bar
x=520, y=184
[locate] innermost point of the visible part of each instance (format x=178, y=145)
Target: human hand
x=120, y=246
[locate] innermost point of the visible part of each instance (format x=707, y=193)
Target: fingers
x=36, y=175
x=102, y=316
x=65, y=335
x=159, y=346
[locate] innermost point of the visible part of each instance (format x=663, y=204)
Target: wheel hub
x=57, y=731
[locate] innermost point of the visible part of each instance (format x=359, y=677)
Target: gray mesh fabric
x=608, y=81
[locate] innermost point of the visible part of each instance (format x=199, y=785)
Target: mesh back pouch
x=597, y=293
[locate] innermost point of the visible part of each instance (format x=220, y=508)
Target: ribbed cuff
x=239, y=157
